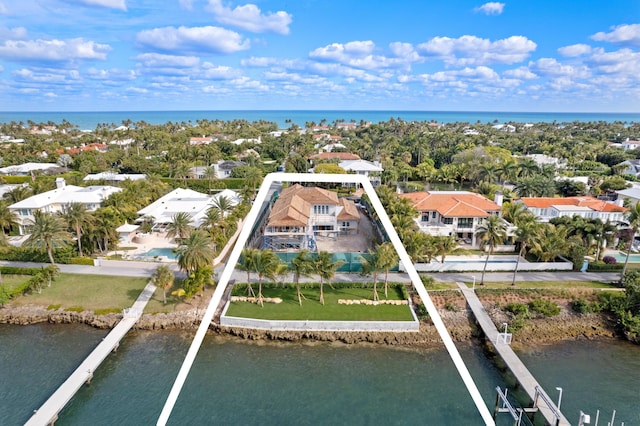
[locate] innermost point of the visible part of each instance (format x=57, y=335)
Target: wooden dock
x=47, y=414
x=546, y=407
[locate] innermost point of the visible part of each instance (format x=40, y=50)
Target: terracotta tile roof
x=584, y=201
x=349, y=212
x=452, y=203
x=334, y=155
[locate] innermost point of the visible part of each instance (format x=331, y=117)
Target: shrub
x=517, y=323
x=53, y=307
x=604, y=267
x=452, y=307
x=81, y=261
x=609, y=260
x=421, y=312
x=517, y=309
x=544, y=307
x=581, y=306
x=107, y=311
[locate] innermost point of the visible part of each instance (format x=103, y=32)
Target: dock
x=545, y=406
x=47, y=414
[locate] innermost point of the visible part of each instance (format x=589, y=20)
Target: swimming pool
x=161, y=251
x=621, y=257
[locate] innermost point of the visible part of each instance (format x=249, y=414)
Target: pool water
x=162, y=251
x=621, y=257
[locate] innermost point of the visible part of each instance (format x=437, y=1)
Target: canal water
x=237, y=382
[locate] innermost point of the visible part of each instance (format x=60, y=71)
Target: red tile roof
x=582, y=201
x=453, y=203
x=342, y=156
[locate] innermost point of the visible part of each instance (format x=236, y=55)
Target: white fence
x=387, y=326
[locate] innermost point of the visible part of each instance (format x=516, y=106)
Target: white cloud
x=111, y=4
x=472, y=50
x=628, y=34
x=112, y=76
x=195, y=39
x=575, y=50
x=213, y=72
x=249, y=17
x=491, y=8
x=137, y=90
x=13, y=33
x=623, y=63
x=260, y=62
x=160, y=60
x=53, y=50
x=186, y=4
x=550, y=67
x=3, y=9
x=359, y=54
x=522, y=73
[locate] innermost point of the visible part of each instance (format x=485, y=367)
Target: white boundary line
x=395, y=240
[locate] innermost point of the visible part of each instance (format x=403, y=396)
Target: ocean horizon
x=89, y=120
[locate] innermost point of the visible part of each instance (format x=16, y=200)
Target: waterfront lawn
x=544, y=284
x=311, y=308
x=87, y=292
x=11, y=281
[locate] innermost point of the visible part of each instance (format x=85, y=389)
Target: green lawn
x=11, y=281
x=311, y=308
x=543, y=284
x=91, y=293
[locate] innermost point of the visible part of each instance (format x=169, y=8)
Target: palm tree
x=371, y=264
x=444, y=245
x=326, y=269
x=163, y=277
x=7, y=217
x=526, y=235
x=246, y=264
x=223, y=204
x=212, y=218
x=48, y=232
x=266, y=264
x=77, y=217
x=491, y=232
x=302, y=266
x=388, y=259
x=195, y=251
x=49, y=273
x=633, y=218
x=180, y=226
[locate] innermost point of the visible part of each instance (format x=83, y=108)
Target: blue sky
x=101, y=55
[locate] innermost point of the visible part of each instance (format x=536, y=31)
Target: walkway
x=48, y=412
x=531, y=386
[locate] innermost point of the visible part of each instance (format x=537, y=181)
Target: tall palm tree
x=211, y=219
x=633, y=219
x=371, y=264
x=163, y=277
x=266, y=264
x=388, y=259
x=326, y=269
x=444, y=245
x=526, y=235
x=48, y=232
x=246, y=264
x=77, y=217
x=223, y=203
x=302, y=266
x=180, y=226
x=491, y=233
x=195, y=251
x=7, y=217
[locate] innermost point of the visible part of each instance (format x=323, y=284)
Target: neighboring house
x=631, y=194
x=126, y=232
x=222, y=169
x=301, y=214
x=240, y=141
x=505, y=128
x=546, y=209
x=198, y=172
x=347, y=126
x=113, y=177
x=200, y=141
x=331, y=146
x=545, y=160
x=452, y=213
x=365, y=168
x=629, y=144
x=56, y=200
x=27, y=168
x=179, y=200
x=75, y=150
x=629, y=167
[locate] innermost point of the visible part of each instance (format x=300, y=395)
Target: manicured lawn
x=544, y=284
x=11, y=281
x=92, y=292
x=311, y=308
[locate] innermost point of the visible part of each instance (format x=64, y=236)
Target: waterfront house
x=302, y=214
x=222, y=169
x=452, y=213
x=57, y=200
x=547, y=208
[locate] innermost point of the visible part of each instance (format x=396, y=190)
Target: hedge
x=81, y=261
x=604, y=267
x=24, y=254
x=203, y=185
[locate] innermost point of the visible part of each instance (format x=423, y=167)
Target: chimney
x=498, y=198
x=60, y=183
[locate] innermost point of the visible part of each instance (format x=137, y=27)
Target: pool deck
x=154, y=240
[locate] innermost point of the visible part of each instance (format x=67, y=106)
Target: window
x=425, y=217
x=465, y=222
x=321, y=209
x=433, y=215
x=346, y=224
x=25, y=212
x=447, y=221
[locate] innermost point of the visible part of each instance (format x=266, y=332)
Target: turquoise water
x=248, y=383
x=621, y=257
x=89, y=120
x=164, y=251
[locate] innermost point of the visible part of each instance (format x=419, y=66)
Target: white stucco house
x=366, y=168
x=56, y=201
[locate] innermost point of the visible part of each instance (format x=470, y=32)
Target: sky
x=437, y=55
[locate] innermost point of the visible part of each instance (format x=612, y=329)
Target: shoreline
x=460, y=324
